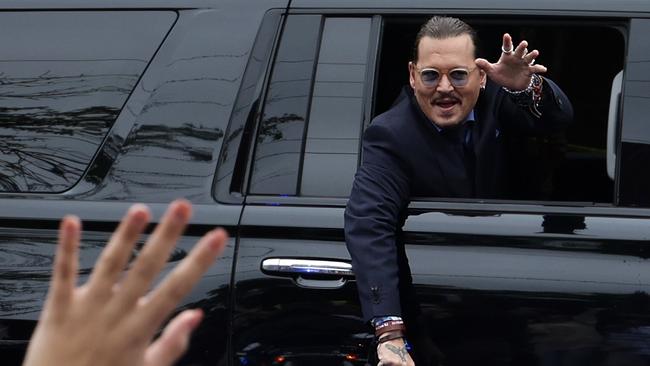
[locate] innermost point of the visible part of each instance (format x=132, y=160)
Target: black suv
x=253, y=110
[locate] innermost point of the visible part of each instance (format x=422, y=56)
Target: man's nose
x=444, y=84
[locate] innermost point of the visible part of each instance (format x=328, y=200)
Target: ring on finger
x=507, y=52
x=532, y=62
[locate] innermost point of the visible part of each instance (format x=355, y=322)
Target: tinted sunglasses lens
x=459, y=77
x=429, y=77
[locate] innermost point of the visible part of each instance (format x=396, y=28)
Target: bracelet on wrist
x=375, y=322
x=528, y=89
x=531, y=97
x=389, y=323
x=390, y=328
x=390, y=336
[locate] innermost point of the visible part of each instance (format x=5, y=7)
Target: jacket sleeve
x=379, y=194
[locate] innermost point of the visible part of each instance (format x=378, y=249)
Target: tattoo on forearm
x=400, y=351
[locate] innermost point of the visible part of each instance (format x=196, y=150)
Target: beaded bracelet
x=527, y=90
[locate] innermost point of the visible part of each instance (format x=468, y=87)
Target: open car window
x=320, y=70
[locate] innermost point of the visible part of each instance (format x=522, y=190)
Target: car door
x=549, y=277
x=294, y=299
x=543, y=282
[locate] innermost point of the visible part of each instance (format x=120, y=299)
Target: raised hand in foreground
x=112, y=319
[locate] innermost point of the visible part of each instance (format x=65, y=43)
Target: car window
x=308, y=139
x=318, y=156
x=332, y=143
x=64, y=78
x=280, y=135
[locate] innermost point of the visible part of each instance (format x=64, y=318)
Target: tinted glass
x=237, y=142
x=64, y=78
x=280, y=135
x=332, y=146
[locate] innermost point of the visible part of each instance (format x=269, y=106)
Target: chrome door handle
x=307, y=266
x=297, y=268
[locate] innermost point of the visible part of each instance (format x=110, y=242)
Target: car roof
x=483, y=6
x=585, y=7
x=120, y=4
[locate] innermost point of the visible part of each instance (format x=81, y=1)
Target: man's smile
x=446, y=104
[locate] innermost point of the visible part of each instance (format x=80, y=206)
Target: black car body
x=253, y=110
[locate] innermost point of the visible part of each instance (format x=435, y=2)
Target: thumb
x=174, y=340
x=484, y=65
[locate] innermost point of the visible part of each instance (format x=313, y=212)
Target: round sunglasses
x=458, y=77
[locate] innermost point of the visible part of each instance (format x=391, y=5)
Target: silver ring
x=532, y=63
x=506, y=52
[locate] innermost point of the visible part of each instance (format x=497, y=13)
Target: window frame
x=367, y=100
x=620, y=21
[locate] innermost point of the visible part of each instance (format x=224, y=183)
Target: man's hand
x=393, y=353
x=111, y=319
x=515, y=66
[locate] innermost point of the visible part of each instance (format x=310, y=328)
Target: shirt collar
x=470, y=118
x=408, y=91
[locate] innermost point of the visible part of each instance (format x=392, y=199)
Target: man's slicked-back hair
x=439, y=27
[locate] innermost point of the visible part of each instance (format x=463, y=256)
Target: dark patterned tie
x=469, y=155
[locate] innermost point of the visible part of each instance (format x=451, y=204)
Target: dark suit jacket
x=405, y=156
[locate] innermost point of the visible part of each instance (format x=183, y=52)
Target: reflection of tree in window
x=271, y=128
x=180, y=141
x=64, y=79
x=40, y=147
x=138, y=165
x=53, y=123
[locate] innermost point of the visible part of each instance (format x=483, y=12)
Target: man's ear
x=483, y=77
x=412, y=74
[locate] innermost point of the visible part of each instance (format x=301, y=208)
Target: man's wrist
x=531, y=97
x=526, y=90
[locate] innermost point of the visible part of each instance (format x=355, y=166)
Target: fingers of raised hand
x=506, y=45
x=180, y=281
x=530, y=57
x=527, y=58
x=521, y=49
x=115, y=256
x=155, y=253
x=174, y=340
x=537, y=69
x=64, y=274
